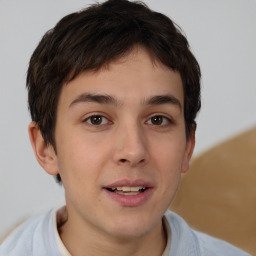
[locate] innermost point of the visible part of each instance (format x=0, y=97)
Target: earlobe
x=44, y=152
x=188, y=152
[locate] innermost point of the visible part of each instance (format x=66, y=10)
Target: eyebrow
x=98, y=98
x=108, y=99
x=163, y=99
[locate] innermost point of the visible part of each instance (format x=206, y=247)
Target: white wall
x=222, y=35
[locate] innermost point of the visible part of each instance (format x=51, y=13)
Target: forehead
x=133, y=77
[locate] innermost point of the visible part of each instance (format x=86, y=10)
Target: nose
x=131, y=146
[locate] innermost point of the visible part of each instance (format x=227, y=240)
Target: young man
x=113, y=93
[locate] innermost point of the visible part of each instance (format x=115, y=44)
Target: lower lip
x=130, y=201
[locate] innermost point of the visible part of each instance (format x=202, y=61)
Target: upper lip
x=129, y=183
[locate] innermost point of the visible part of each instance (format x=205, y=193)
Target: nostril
x=142, y=161
x=123, y=160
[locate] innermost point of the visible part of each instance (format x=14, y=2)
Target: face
x=121, y=145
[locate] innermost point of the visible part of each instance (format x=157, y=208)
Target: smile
x=128, y=191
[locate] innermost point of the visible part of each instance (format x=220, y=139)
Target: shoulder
x=34, y=237
x=213, y=246
x=189, y=242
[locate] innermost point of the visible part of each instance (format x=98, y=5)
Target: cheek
x=168, y=151
x=81, y=158
x=168, y=156
x=80, y=169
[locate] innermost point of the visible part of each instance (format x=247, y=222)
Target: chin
x=130, y=227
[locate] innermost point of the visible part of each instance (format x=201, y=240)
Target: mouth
x=128, y=191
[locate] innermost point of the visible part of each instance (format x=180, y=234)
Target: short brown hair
x=91, y=39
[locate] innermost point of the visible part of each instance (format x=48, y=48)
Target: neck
x=86, y=240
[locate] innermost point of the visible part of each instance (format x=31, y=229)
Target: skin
x=134, y=139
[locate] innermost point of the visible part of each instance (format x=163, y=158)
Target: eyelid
x=90, y=115
x=164, y=116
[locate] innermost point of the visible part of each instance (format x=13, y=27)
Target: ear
x=45, y=153
x=188, y=152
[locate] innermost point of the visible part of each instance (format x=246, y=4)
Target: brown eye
x=97, y=120
x=157, y=120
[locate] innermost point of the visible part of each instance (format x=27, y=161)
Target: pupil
x=96, y=120
x=157, y=120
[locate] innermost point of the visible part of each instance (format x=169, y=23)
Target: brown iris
x=96, y=120
x=157, y=120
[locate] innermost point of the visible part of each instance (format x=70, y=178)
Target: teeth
x=126, y=189
x=129, y=189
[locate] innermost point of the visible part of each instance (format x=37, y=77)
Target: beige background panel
x=218, y=194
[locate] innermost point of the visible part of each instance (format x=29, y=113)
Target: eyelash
x=163, y=119
x=166, y=120
x=102, y=117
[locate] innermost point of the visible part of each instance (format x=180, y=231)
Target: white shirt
x=39, y=236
